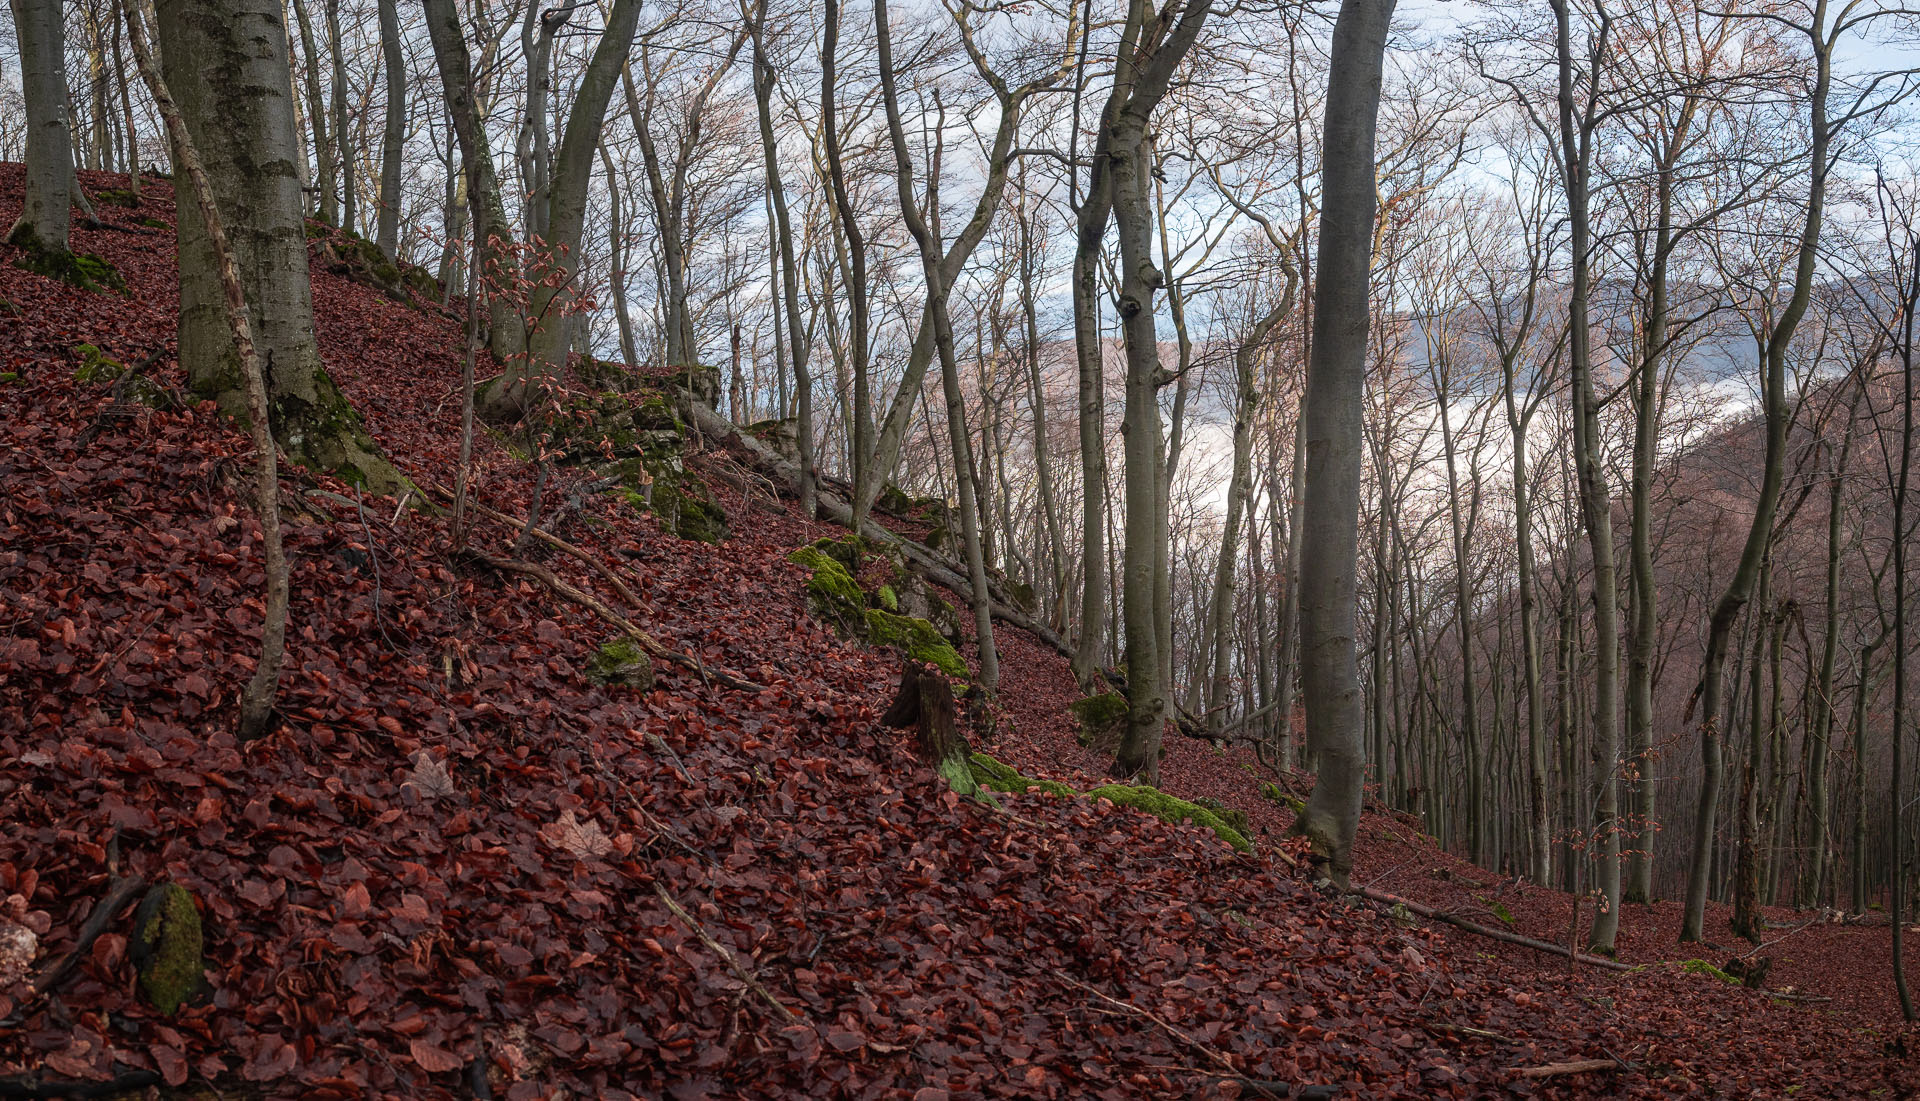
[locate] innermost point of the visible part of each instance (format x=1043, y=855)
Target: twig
x=120, y=891
x=724, y=953
x=588, y=601
x=1553, y=1070
x=32, y=1085
x=1442, y=1026
x=556, y=543
x=1232, y=1072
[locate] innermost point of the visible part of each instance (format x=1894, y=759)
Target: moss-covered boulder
x=622, y=663
x=698, y=380
x=359, y=260
x=638, y=443
x=1098, y=715
x=917, y=638
x=1232, y=816
x=781, y=434
x=169, y=949
x=990, y=773
x=1169, y=808
x=835, y=595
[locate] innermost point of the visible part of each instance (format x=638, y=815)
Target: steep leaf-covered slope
x=460, y=867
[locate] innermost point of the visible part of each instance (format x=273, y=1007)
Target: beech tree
x=47, y=211
x=226, y=63
x=1330, y=431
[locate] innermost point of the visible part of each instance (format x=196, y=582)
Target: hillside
x=461, y=868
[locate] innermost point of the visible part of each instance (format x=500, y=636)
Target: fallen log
x=937, y=568
x=1554, y=1070
x=1502, y=935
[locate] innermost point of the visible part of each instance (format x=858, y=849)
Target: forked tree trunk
x=317, y=117
x=1331, y=431
x=499, y=271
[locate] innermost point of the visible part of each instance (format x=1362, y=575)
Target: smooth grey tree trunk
x=1331, y=430
x=556, y=254
x=226, y=64
x=394, y=136
x=46, y=215
x=933, y=265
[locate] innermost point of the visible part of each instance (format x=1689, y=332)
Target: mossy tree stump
x=924, y=703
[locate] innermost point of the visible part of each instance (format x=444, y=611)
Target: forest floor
x=459, y=868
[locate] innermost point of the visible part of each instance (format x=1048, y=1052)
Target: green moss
x=9, y=376
x=889, y=599
x=1167, y=808
x=990, y=773
x=833, y=592
x=1232, y=816
x=917, y=637
x=701, y=381
x=79, y=269
x=117, y=196
x=151, y=222
x=168, y=947
x=621, y=662
x=95, y=365
x=1274, y=793
x=1702, y=967
x=1098, y=714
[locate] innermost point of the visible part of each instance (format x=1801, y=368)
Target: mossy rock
x=915, y=636
x=620, y=662
x=1098, y=715
x=169, y=949
x=1232, y=816
x=990, y=773
x=889, y=600
x=151, y=222
x=701, y=381
x=95, y=365
x=781, y=434
x=1274, y=793
x=1168, y=808
x=77, y=269
x=1702, y=967
x=835, y=595
x=893, y=499
x=117, y=196
x=832, y=592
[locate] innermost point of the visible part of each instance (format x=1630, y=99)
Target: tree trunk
x=763, y=79
x=1759, y=535
x=46, y=215
x=499, y=268
x=861, y=433
x=935, y=270
x=257, y=699
x=393, y=140
x=343, y=143
x=317, y=116
x=556, y=255
x=226, y=65
x=1331, y=429
x=617, y=261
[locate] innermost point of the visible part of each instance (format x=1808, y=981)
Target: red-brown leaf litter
x=447, y=872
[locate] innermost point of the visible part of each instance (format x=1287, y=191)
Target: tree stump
x=924, y=703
